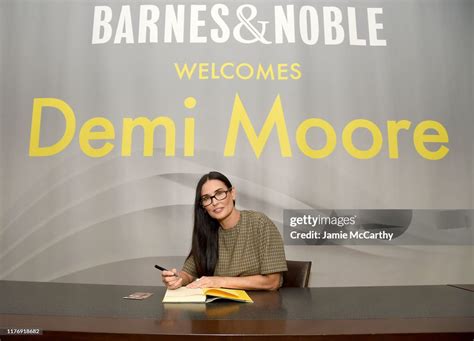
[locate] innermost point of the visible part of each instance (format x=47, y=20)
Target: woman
x=230, y=248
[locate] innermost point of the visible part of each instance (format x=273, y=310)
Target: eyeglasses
x=219, y=195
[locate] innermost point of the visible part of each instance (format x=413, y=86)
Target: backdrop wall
x=316, y=105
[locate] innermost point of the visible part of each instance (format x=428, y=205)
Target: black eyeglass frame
x=215, y=197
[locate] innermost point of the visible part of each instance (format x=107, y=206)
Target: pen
x=164, y=269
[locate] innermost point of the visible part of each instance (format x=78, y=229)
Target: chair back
x=297, y=275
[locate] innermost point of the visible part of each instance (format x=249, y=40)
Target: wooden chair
x=297, y=275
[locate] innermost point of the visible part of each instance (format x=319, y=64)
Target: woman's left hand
x=207, y=282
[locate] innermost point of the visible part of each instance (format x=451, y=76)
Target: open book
x=186, y=295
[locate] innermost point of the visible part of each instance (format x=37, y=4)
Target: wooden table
x=98, y=312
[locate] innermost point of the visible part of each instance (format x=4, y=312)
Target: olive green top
x=252, y=247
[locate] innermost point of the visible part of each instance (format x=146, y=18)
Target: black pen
x=164, y=269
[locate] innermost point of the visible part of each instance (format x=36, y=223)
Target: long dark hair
x=205, y=243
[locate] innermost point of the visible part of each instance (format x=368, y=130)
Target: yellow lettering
x=214, y=74
x=225, y=75
x=295, y=67
x=190, y=103
x=185, y=70
x=203, y=70
x=65, y=109
x=282, y=71
x=376, y=136
x=331, y=138
x=148, y=134
x=189, y=136
x=250, y=71
x=275, y=118
x=261, y=73
x=393, y=127
x=86, y=134
x=420, y=138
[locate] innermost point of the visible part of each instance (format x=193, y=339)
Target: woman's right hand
x=171, y=279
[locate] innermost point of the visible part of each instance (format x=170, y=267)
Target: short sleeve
x=272, y=253
x=190, y=267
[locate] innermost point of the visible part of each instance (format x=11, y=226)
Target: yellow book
x=206, y=295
